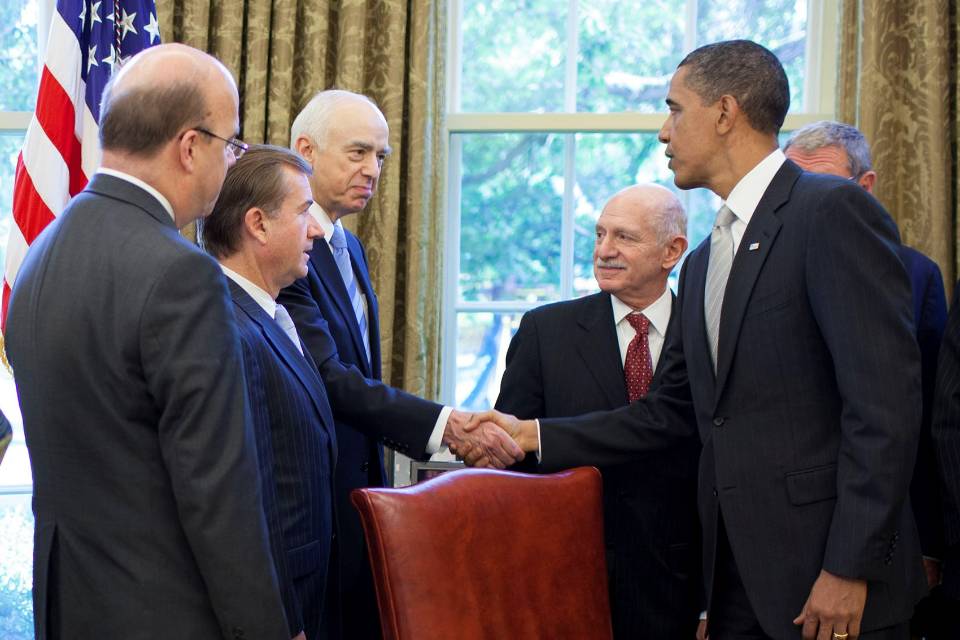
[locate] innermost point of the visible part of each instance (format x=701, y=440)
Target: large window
x=553, y=106
x=19, y=47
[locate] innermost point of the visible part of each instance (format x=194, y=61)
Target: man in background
x=841, y=150
x=601, y=352
x=146, y=492
x=344, y=136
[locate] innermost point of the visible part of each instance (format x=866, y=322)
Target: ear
x=729, y=110
x=868, y=180
x=305, y=148
x=187, y=150
x=254, y=223
x=673, y=251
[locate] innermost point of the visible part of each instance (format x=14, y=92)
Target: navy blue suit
x=297, y=453
x=930, y=316
x=565, y=360
x=810, y=424
x=364, y=410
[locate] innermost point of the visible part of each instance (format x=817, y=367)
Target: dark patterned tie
x=638, y=365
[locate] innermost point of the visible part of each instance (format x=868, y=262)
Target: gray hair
x=670, y=221
x=827, y=133
x=315, y=118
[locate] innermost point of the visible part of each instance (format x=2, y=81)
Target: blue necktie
x=338, y=242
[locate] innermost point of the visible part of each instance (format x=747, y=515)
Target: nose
x=371, y=166
x=604, y=247
x=663, y=135
x=314, y=230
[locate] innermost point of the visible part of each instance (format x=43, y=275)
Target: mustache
x=609, y=264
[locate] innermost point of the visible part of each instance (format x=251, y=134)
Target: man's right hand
x=524, y=432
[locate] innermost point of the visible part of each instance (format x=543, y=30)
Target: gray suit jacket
x=146, y=496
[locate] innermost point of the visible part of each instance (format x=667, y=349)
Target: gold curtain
x=284, y=51
x=897, y=83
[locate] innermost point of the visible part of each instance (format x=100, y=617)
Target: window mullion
x=566, y=227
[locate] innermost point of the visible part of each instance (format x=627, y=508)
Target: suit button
x=364, y=466
x=715, y=493
x=718, y=422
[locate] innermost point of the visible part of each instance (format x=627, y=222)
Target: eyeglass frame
x=237, y=147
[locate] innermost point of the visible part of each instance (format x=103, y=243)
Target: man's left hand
x=834, y=606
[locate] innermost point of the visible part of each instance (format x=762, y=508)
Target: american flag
x=88, y=40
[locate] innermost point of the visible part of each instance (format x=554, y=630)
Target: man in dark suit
x=344, y=136
x=841, y=150
x=570, y=358
x=796, y=358
x=146, y=499
x=260, y=232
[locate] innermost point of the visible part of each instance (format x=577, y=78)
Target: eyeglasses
x=237, y=147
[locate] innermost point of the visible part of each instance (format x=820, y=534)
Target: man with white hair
x=601, y=352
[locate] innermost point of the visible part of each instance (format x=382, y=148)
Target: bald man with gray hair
x=601, y=352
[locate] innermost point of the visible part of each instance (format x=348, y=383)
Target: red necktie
x=638, y=366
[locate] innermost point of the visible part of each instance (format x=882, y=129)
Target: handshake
x=490, y=439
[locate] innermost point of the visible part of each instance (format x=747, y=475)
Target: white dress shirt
x=658, y=313
x=745, y=196
x=327, y=225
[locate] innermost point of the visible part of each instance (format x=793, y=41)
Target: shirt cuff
x=539, y=443
x=436, y=437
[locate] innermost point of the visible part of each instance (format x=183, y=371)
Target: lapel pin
x=754, y=246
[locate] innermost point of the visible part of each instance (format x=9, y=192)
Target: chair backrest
x=489, y=554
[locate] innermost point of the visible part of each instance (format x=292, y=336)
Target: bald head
x=158, y=93
x=641, y=235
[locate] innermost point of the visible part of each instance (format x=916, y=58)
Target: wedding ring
x=840, y=636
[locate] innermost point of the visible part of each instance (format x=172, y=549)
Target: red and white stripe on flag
x=61, y=150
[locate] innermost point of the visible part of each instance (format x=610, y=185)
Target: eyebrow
x=671, y=103
x=366, y=146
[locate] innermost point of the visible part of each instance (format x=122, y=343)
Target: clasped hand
x=481, y=442
x=500, y=428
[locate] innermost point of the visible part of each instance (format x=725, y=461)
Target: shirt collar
x=657, y=312
x=261, y=297
x=324, y=221
x=143, y=185
x=745, y=197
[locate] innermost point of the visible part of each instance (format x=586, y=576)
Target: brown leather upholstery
x=489, y=554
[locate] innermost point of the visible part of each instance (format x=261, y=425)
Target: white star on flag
x=95, y=13
x=83, y=14
x=153, y=28
x=92, y=58
x=112, y=59
x=126, y=23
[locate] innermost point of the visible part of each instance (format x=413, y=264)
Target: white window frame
x=821, y=56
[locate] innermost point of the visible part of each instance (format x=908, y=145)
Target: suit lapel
x=322, y=258
x=597, y=345
x=671, y=327
x=754, y=248
x=284, y=348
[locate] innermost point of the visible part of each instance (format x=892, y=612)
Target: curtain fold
x=897, y=83
x=284, y=51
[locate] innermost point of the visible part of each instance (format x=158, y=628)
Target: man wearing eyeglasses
x=146, y=491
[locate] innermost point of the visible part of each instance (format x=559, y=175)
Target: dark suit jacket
x=810, y=426
x=366, y=411
x=565, y=360
x=147, y=504
x=930, y=317
x=297, y=453
x=945, y=433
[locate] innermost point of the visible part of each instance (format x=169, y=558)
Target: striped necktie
x=718, y=271
x=338, y=243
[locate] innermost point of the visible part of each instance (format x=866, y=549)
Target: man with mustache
x=601, y=352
